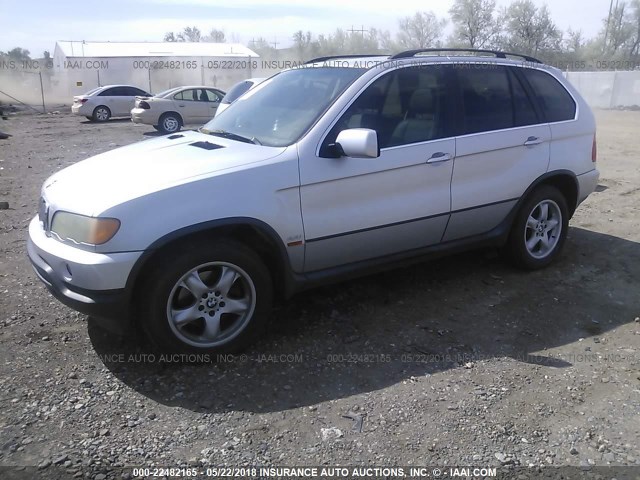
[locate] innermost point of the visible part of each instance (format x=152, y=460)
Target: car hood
x=92, y=186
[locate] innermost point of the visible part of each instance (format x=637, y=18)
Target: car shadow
x=367, y=334
x=111, y=120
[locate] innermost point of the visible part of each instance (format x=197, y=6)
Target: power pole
x=362, y=30
x=606, y=31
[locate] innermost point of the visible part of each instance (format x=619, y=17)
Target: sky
x=39, y=24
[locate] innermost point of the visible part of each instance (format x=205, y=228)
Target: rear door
x=127, y=99
x=109, y=98
x=502, y=146
x=190, y=106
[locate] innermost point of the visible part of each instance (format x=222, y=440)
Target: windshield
x=279, y=111
x=237, y=90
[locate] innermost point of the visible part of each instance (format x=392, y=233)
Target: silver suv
x=343, y=167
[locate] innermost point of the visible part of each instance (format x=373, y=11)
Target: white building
x=79, y=66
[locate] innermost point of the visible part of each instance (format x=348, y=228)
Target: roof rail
x=497, y=53
x=335, y=57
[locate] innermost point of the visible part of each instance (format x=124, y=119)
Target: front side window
x=278, y=112
x=557, y=104
x=408, y=105
x=212, y=96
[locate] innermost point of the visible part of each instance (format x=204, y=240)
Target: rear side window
x=493, y=98
x=555, y=101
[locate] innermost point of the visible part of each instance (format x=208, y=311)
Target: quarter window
x=554, y=99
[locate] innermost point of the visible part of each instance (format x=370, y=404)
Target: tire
x=101, y=114
x=89, y=118
x=205, y=298
x=544, y=215
x=156, y=127
x=170, y=123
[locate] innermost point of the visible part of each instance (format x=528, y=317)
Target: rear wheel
x=169, y=123
x=101, y=114
x=540, y=229
x=206, y=298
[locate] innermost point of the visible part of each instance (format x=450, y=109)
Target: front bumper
x=91, y=283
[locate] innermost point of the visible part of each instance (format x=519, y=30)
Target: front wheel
x=540, y=229
x=206, y=298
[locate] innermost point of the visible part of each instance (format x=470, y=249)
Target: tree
x=263, y=48
x=634, y=50
x=170, y=37
x=215, y=36
x=302, y=43
x=19, y=54
x=46, y=55
x=574, y=43
x=189, y=34
x=474, y=23
x=530, y=29
x=422, y=30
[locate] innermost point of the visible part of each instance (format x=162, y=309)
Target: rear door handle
x=533, y=141
x=439, y=157
x=181, y=105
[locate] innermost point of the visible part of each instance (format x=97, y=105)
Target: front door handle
x=533, y=141
x=439, y=157
x=181, y=105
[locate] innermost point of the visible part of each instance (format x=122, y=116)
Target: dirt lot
x=463, y=361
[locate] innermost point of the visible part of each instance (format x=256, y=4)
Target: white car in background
x=237, y=91
x=170, y=110
x=102, y=103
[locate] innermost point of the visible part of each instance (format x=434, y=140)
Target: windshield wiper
x=232, y=136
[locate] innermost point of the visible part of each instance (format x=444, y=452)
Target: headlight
x=81, y=229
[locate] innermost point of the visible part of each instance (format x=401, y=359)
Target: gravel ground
x=462, y=361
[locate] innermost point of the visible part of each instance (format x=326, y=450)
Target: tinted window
x=406, y=106
x=109, y=92
x=555, y=101
x=523, y=111
x=237, y=90
x=133, y=91
x=486, y=98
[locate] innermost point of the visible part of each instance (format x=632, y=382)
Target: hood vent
x=173, y=137
x=206, y=145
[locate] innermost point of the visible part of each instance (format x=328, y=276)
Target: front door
x=357, y=209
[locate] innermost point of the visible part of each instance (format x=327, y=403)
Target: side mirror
x=358, y=143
